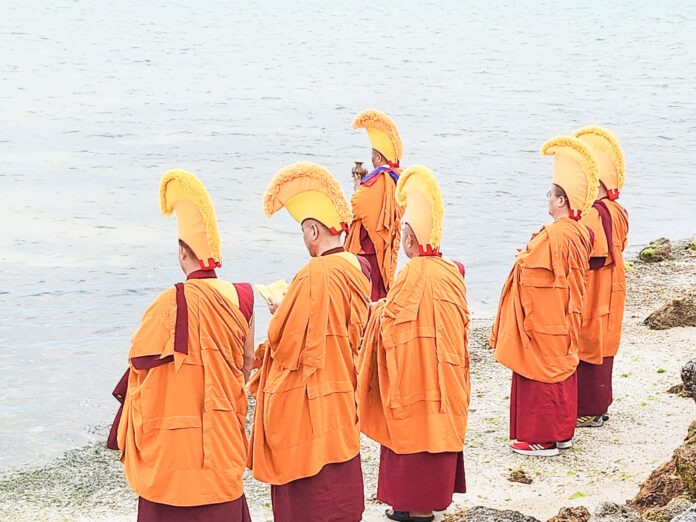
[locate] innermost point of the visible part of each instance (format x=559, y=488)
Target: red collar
x=429, y=251
x=336, y=250
x=202, y=274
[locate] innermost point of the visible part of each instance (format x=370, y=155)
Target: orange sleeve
x=617, y=303
x=155, y=336
x=600, y=246
x=595, y=313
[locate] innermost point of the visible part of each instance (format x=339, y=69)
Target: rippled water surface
x=98, y=99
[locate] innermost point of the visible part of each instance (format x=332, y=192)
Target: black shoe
x=404, y=516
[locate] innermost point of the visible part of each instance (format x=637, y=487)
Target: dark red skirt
x=420, y=481
x=335, y=494
x=594, y=387
x=378, y=289
x=235, y=511
x=541, y=412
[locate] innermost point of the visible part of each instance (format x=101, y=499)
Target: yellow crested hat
x=183, y=193
x=308, y=190
x=575, y=170
x=383, y=134
x=612, y=167
x=419, y=192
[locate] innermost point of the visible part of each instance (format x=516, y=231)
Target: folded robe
x=181, y=429
x=305, y=414
x=537, y=327
x=605, y=295
x=413, y=375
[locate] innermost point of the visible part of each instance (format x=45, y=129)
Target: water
x=97, y=100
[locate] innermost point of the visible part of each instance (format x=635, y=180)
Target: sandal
x=404, y=516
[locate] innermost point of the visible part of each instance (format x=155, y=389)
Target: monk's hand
x=273, y=305
x=247, y=368
x=356, y=182
x=375, y=303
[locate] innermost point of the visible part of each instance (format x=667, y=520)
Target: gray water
x=98, y=99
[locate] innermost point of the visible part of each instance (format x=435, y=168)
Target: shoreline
x=605, y=464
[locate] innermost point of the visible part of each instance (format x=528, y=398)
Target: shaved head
x=409, y=242
x=318, y=238
x=378, y=159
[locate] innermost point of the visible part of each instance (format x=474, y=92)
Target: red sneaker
x=535, y=449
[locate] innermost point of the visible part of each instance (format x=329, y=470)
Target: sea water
x=98, y=99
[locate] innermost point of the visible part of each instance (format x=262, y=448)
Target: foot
x=564, y=444
x=409, y=516
x=535, y=449
x=591, y=421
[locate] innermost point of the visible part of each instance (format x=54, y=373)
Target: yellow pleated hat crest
x=418, y=191
x=183, y=193
x=576, y=170
x=382, y=132
x=308, y=190
x=612, y=166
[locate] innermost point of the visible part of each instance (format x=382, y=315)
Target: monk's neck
x=330, y=248
x=560, y=215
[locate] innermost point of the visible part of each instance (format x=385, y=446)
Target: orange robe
x=182, y=428
x=413, y=380
x=603, y=310
x=617, y=300
x=595, y=312
x=375, y=209
x=602, y=314
x=305, y=415
x=537, y=327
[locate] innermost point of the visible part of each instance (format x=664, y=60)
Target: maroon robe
x=378, y=289
x=335, y=494
x=235, y=511
x=594, y=387
x=420, y=481
x=542, y=412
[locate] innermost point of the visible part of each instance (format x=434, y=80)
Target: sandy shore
x=605, y=464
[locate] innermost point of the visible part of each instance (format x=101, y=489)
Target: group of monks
x=355, y=348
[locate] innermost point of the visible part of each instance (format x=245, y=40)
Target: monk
x=375, y=229
x=413, y=380
x=305, y=439
x=602, y=314
x=181, y=426
x=537, y=327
